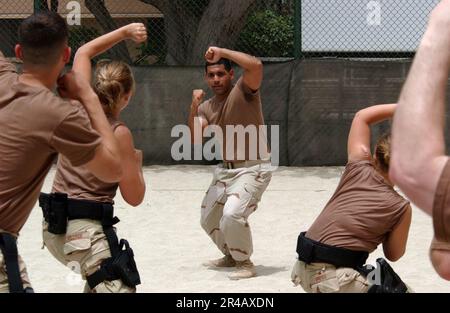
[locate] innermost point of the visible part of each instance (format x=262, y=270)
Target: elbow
x=136, y=200
x=395, y=254
x=394, y=257
x=361, y=117
x=441, y=263
x=135, y=196
x=258, y=64
x=83, y=51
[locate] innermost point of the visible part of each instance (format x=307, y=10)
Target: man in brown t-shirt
x=37, y=125
x=240, y=181
x=420, y=166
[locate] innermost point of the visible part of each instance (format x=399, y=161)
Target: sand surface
x=170, y=245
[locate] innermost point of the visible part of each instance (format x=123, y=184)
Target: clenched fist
x=197, y=97
x=213, y=54
x=136, y=32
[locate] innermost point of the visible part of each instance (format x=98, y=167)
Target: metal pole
x=298, y=29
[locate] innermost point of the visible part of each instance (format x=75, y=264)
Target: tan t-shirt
x=241, y=107
x=362, y=212
x=79, y=183
x=36, y=125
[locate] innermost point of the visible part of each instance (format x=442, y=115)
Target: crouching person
x=364, y=211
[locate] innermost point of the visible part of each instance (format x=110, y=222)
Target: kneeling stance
x=364, y=211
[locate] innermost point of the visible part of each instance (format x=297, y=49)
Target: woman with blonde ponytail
x=364, y=211
x=78, y=228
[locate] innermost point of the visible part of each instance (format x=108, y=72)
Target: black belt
x=104, y=212
x=311, y=251
x=85, y=209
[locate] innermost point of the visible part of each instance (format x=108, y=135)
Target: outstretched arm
x=252, y=66
x=418, y=155
x=82, y=62
x=358, y=146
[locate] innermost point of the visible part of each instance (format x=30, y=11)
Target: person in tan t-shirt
x=238, y=182
x=37, y=124
x=420, y=165
x=364, y=211
x=89, y=244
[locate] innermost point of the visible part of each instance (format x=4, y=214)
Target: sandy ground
x=170, y=245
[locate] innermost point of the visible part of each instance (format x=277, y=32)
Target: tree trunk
x=220, y=26
x=99, y=10
x=189, y=33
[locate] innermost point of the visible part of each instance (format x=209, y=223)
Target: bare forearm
x=103, y=43
x=419, y=121
x=418, y=154
x=245, y=61
x=377, y=113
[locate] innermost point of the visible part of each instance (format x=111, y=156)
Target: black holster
x=390, y=281
x=58, y=209
x=54, y=208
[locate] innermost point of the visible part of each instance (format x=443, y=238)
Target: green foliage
x=267, y=34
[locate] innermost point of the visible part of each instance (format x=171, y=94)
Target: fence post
x=39, y=6
x=298, y=29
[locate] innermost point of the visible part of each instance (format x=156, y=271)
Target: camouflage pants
x=84, y=247
x=4, y=286
x=326, y=278
x=232, y=197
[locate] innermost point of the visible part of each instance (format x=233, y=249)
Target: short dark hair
x=225, y=62
x=42, y=37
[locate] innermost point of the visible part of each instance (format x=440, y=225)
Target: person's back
x=36, y=125
x=79, y=183
x=30, y=144
x=362, y=212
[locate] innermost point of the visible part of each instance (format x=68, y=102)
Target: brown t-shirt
x=36, y=126
x=241, y=107
x=441, y=207
x=362, y=212
x=79, y=183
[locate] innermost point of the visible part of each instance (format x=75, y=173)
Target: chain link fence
x=181, y=30
x=363, y=28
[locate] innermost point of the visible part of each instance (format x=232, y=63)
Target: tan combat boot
x=245, y=269
x=226, y=261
